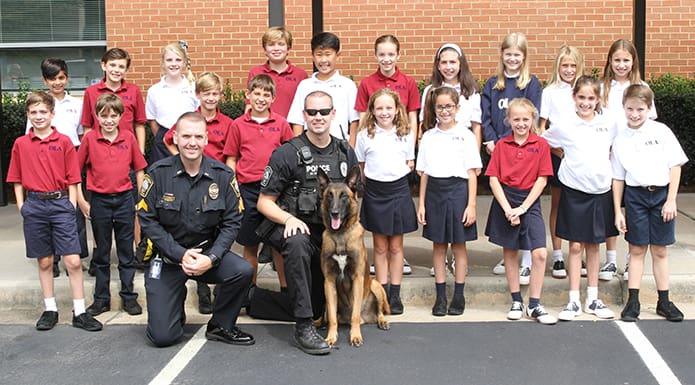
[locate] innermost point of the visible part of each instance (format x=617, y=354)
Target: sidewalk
x=20, y=291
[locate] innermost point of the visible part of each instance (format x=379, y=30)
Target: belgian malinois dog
x=352, y=296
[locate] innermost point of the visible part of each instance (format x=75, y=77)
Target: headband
x=449, y=45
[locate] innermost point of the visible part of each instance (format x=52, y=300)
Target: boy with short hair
x=277, y=43
x=109, y=154
x=647, y=160
x=115, y=64
x=325, y=51
x=68, y=112
x=251, y=140
x=44, y=165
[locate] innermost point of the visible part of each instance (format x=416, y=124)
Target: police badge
x=214, y=191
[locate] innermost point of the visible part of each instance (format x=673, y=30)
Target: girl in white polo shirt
x=385, y=149
x=646, y=160
x=449, y=162
x=584, y=214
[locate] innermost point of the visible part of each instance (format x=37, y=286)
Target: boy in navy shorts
x=44, y=165
x=108, y=155
x=646, y=160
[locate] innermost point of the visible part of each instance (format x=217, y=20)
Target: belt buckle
x=651, y=188
x=57, y=195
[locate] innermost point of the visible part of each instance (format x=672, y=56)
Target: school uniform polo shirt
x=166, y=104
x=385, y=156
x=134, y=111
x=615, y=102
x=644, y=156
x=44, y=165
x=109, y=163
x=344, y=93
x=217, y=128
x=398, y=82
x=586, y=165
x=469, y=109
x=286, y=83
x=449, y=153
x=556, y=101
x=68, y=113
x=519, y=166
x=252, y=143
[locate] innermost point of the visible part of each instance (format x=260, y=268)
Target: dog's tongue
x=335, y=223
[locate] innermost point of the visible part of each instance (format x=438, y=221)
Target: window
x=74, y=30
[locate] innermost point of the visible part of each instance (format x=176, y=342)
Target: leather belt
x=48, y=195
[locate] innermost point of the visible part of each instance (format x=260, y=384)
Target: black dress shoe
x=47, y=321
x=98, y=307
x=132, y=307
x=309, y=340
x=457, y=305
x=630, y=312
x=439, y=308
x=56, y=271
x=87, y=322
x=234, y=336
x=396, y=305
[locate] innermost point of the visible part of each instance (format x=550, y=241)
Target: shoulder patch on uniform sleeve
x=266, y=176
x=235, y=187
x=147, y=184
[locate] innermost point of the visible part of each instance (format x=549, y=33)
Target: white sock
x=611, y=256
x=574, y=296
x=591, y=294
x=525, y=258
x=557, y=255
x=50, y=304
x=78, y=306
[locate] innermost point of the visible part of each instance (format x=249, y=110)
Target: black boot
x=309, y=340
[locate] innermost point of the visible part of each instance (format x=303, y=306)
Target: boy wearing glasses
x=325, y=51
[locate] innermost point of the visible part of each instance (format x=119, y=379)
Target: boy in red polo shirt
x=115, y=64
x=208, y=89
x=250, y=142
x=44, y=165
x=277, y=43
x=109, y=154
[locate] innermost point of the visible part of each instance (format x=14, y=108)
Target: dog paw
x=331, y=340
x=356, y=341
x=382, y=323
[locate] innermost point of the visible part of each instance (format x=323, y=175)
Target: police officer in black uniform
x=290, y=198
x=190, y=210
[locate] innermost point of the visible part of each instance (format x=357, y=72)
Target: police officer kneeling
x=290, y=198
x=190, y=210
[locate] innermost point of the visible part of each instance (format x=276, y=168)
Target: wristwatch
x=214, y=259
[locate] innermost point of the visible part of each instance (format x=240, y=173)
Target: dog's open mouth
x=335, y=222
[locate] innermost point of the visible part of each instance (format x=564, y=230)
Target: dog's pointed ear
x=352, y=178
x=323, y=179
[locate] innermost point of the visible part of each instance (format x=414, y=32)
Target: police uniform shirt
x=644, y=156
x=586, y=165
x=449, y=153
x=385, y=156
x=178, y=211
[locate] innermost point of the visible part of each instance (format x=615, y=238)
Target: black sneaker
x=309, y=340
x=132, y=307
x=439, y=308
x=234, y=336
x=397, y=306
x=47, y=321
x=457, y=306
x=87, y=322
x=630, y=312
x=669, y=311
x=559, y=270
x=98, y=307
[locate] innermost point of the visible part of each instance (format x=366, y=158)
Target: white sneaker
x=516, y=311
x=570, y=311
x=539, y=314
x=432, y=271
x=406, y=268
x=448, y=258
x=499, y=268
x=625, y=276
x=524, y=276
x=583, y=271
x=371, y=269
x=607, y=272
x=597, y=308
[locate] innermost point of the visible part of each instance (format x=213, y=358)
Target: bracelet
x=524, y=208
x=288, y=219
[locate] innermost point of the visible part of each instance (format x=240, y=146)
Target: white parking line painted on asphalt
x=652, y=359
x=181, y=359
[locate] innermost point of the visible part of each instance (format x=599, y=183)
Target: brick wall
x=224, y=36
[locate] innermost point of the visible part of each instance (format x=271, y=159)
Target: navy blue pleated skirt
x=445, y=201
x=587, y=218
x=387, y=208
x=529, y=235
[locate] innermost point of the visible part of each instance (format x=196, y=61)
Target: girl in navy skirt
x=518, y=170
x=385, y=150
x=449, y=162
x=585, y=217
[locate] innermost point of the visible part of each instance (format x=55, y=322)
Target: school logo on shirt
x=54, y=147
x=503, y=104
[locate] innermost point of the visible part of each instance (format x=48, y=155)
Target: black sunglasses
x=322, y=111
